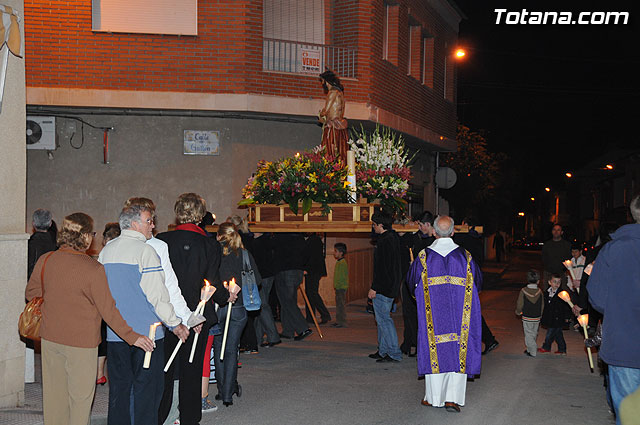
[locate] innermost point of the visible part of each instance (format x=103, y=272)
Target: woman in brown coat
x=76, y=299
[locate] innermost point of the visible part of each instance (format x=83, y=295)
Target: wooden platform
x=343, y=218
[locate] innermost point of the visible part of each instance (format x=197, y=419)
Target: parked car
x=528, y=243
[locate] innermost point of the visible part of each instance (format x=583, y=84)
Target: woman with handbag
x=237, y=263
x=76, y=297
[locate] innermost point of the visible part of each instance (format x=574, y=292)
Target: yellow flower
x=345, y=184
x=313, y=177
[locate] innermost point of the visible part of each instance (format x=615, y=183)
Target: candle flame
x=233, y=287
x=206, y=283
x=583, y=319
x=565, y=296
x=588, y=269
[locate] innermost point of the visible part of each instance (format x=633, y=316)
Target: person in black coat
x=387, y=278
x=473, y=242
x=289, y=265
x=554, y=318
x=264, y=255
x=413, y=243
x=40, y=241
x=194, y=257
x=315, y=268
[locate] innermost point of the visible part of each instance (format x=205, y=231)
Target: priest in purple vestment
x=445, y=281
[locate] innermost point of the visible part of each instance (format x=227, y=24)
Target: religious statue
x=335, y=136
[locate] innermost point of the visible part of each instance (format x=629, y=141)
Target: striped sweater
x=136, y=281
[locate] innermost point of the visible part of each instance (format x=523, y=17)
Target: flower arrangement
x=383, y=170
x=307, y=177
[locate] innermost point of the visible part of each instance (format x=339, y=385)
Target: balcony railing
x=307, y=58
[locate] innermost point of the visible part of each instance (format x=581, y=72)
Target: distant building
x=597, y=196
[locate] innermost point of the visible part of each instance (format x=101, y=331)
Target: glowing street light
x=569, y=175
x=521, y=214
x=460, y=53
x=547, y=189
x=609, y=167
x=533, y=199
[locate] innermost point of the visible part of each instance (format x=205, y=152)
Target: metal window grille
x=293, y=40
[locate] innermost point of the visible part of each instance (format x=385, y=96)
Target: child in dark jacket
x=554, y=318
x=530, y=305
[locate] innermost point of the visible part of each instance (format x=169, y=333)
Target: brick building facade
x=236, y=71
x=69, y=64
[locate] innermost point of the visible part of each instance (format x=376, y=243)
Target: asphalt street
x=332, y=380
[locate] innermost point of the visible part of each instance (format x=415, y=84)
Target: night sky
x=550, y=96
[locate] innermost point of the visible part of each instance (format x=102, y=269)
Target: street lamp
x=547, y=189
x=460, y=53
x=533, y=199
x=521, y=214
x=609, y=167
x=569, y=175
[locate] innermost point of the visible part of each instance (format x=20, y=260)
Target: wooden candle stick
x=313, y=316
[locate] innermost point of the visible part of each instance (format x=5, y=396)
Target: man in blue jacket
x=614, y=290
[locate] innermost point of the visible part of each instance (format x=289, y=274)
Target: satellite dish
x=446, y=178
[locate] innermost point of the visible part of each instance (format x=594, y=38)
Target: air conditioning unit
x=41, y=133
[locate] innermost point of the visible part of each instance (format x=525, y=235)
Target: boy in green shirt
x=340, y=283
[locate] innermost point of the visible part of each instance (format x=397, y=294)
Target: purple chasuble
x=449, y=318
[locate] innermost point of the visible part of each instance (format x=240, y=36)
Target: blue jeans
x=555, y=334
x=387, y=336
x=622, y=382
x=227, y=370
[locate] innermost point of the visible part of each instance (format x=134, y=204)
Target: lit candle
x=205, y=294
x=588, y=269
x=567, y=264
x=152, y=337
x=584, y=320
x=566, y=298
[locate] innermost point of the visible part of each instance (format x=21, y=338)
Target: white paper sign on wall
x=197, y=142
